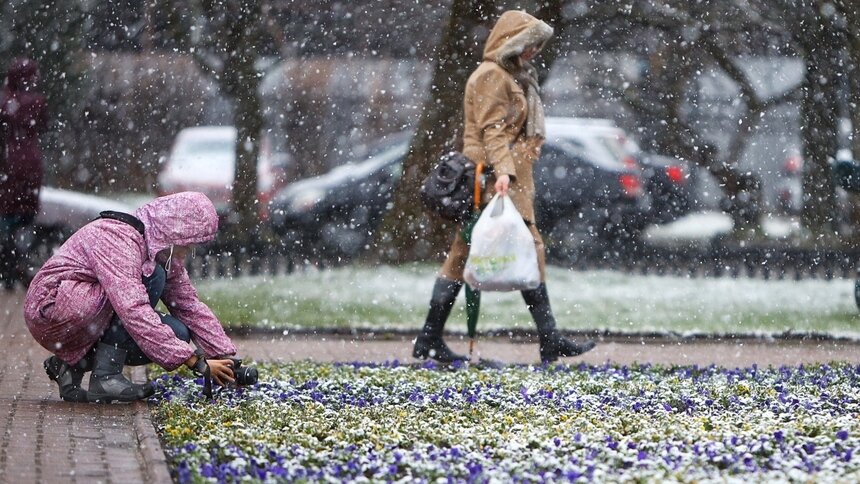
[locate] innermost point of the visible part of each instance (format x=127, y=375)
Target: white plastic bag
x=502, y=256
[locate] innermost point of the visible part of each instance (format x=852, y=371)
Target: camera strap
x=201, y=368
x=125, y=218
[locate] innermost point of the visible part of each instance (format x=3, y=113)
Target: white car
x=68, y=211
x=203, y=159
x=61, y=213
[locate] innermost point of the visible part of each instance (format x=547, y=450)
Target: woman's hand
x=503, y=183
x=222, y=371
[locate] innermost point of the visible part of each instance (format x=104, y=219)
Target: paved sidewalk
x=507, y=350
x=47, y=440
x=43, y=439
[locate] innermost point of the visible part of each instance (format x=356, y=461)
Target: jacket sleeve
x=184, y=304
x=492, y=106
x=116, y=259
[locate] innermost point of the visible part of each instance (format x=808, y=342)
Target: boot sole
x=437, y=360
x=110, y=399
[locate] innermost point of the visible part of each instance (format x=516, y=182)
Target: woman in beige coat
x=504, y=129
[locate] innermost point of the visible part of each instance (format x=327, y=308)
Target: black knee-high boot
x=429, y=343
x=552, y=344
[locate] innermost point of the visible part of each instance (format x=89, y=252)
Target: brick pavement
x=619, y=350
x=43, y=439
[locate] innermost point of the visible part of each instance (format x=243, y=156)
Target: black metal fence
x=754, y=262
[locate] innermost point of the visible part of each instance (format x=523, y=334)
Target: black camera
x=244, y=375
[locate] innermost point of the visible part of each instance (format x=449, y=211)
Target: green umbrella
x=473, y=307
x=473, y=296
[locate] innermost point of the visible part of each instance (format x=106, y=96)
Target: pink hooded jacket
x=98, y=273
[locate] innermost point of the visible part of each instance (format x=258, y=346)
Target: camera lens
x=246, y=375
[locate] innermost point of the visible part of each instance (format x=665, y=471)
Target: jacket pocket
x=77, y=301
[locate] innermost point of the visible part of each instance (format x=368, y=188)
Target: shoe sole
x=108, y=400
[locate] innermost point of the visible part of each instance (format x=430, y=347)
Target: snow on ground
x=388, y=297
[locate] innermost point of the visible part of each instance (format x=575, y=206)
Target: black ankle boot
x=556, y=346
x=107, y=382
x=429, y=343
x=552, y=344
x=68, y=378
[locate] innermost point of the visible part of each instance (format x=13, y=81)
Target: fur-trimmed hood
x=514, y=31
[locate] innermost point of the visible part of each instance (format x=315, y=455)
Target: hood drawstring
x=169, y=259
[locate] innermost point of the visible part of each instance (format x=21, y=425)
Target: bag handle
x=479, y=170
x=499, y=206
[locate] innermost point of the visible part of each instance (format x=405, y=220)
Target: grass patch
x=396, y=298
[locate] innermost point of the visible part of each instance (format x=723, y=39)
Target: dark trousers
x=118, y=336
x=10, y=256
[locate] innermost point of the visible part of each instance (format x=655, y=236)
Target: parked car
x=585, y=197
x=203, y=159
x=582, y=199
x=671, y=182
x=61, y=213
x=668, y=180
x=334, y=214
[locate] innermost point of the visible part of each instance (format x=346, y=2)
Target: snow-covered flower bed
x=391, y=422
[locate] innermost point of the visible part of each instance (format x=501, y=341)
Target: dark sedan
x=670, y=182
x=581, y=200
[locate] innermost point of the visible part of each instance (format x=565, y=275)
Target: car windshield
x=597, y=155
x=202, y=155
x=205, y=147
x=386, y=142
x=614, y=145
x=374, y=163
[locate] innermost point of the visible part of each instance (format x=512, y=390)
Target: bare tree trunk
x=237, y=40
x=851, y=10
x=819, y=130
x=407, y=233
x=249, y=125
x=550, y=12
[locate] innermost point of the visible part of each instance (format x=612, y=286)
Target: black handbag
x=449, y=189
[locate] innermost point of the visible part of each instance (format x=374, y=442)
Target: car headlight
x=306, y=200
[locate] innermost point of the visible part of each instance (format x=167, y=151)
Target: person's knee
x=182, y=332
x=179, y=328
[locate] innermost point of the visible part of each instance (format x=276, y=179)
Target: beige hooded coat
x=496, y=109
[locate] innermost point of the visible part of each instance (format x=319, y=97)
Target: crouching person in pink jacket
x=93, y=303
